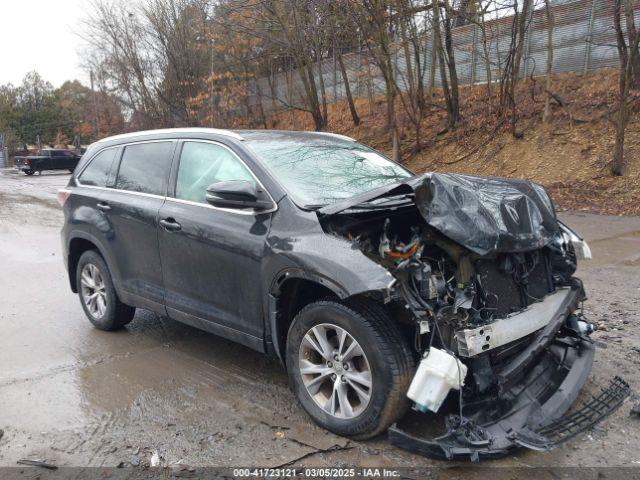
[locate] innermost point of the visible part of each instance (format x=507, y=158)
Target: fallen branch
x=37, y=463
x=476, y=148
x=564, y=105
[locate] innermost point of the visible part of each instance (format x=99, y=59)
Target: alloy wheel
x=335, y=371
x=93, y=290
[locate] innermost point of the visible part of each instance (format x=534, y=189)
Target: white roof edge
x=337, y=135
x=218, y=131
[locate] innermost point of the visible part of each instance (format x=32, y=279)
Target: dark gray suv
x=376, y=288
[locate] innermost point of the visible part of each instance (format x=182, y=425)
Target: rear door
x=212, y=257
x=132, y=209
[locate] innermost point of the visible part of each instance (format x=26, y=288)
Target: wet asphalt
x=81, y=397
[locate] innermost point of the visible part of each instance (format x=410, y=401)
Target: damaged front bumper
x=527, y=405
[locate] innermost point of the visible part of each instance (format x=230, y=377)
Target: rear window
x=97, y=172
x=145, y=167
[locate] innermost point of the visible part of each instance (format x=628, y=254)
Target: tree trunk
x=396, y=144
x=323, y=92
x=311, y=91
x=347, y=89
x=634, y=55
x=437, y=38
x=487, y=63
x=451, y=64
x=625, y=53
x=434, y=61
x=263, y=117
x=546, y=117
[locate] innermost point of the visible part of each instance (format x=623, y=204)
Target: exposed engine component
x=396, y=250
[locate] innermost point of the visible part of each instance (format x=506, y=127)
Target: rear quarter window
x=97, y=172
x=145, y=167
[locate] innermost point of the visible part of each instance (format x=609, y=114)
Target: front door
x=211, y=257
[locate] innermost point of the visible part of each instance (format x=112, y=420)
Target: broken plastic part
x=437, y=374
x=580, y=246
x=533, y=419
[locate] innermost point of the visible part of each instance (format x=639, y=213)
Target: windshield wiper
x=393, y=201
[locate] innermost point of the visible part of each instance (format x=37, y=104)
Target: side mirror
x=237, y=194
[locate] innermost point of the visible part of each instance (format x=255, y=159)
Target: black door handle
x=170, y=224
x=104, y=206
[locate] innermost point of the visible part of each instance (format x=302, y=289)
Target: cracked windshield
x=321, y=172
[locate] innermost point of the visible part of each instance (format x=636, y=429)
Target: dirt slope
x=570, y=156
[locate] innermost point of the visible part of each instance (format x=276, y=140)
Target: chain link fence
x=583, y=41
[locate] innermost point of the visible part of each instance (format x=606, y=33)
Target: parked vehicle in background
x=48, y=159
x=376, y=288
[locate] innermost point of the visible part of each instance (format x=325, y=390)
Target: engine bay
x=498, y=334
x=444, y=287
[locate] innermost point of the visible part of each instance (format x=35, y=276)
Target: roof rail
x=218, y=131
x=337, y=135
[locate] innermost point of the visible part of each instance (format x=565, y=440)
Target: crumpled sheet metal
x=487, y=214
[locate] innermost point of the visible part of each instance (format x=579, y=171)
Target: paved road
x=78, y=396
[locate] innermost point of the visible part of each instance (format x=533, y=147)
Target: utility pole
x=95, y=108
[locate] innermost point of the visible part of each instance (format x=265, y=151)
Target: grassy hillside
x=570, y=156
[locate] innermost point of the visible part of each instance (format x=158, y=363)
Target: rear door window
x=202, y=164
x=97, y=172
x=145, y=167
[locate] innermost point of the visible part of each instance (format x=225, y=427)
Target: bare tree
x=374, y=17
x=627, y=51
x=344, y=37
x=546, y=116
x=511, y=71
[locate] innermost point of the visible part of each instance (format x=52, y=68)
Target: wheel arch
x=80, y=242
x=291, y=291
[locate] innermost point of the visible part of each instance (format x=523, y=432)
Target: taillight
x=62, y=196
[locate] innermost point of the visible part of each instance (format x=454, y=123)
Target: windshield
x=317, y=171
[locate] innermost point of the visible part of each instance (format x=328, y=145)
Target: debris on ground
x=635, y=410
x=183, y=470
x=134, y=460
x=1, y=433
x=37, y=463
x=155, y=459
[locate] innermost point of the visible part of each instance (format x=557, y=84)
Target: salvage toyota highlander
x=378, y=289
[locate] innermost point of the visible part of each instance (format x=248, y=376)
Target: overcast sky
x=41, y=35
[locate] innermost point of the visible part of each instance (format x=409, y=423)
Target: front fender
x=330, y=261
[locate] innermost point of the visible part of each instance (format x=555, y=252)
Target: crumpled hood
x=483, y=214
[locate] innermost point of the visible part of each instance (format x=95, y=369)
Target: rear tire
x=386, y=357
x=97, y=294
x=29, y=172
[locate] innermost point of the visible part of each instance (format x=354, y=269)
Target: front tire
x=97, y=294
x=29, y=172
x=349, y=366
